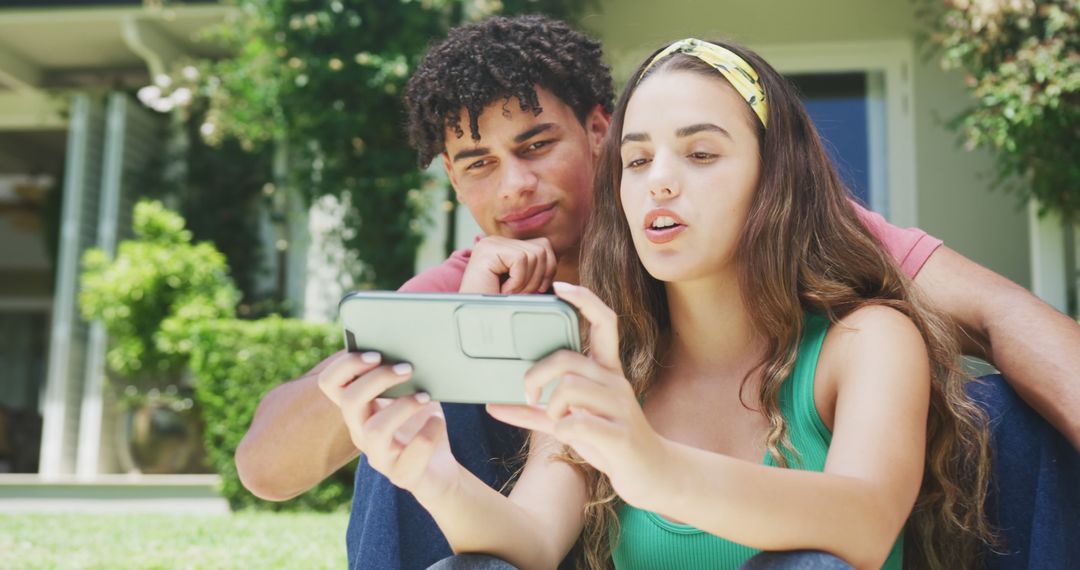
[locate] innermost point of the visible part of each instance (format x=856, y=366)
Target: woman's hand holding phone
x=403, y=438
x=594, y=409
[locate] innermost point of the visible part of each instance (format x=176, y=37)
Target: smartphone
x=463, y=348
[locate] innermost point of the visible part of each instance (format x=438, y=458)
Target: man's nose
x=517, y=177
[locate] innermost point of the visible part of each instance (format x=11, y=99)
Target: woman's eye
x=702, y=156
x=635, y=163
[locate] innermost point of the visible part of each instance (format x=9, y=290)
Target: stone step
x=196, y=494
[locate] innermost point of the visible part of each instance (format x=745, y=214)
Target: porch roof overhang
x=46, y=50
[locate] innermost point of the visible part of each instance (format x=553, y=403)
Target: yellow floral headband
x=734, y=68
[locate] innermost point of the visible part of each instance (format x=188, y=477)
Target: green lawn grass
x=246, y=540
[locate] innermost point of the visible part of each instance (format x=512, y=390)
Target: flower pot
x=157, y=438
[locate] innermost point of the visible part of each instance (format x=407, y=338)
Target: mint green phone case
x=463, y=348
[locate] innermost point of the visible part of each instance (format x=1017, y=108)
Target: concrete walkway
x=166, y=494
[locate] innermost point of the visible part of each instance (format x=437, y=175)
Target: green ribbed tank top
x=648, y=541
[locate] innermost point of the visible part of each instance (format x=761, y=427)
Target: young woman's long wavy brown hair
x=803, y=249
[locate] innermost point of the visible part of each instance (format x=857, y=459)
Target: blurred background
x=188, y=188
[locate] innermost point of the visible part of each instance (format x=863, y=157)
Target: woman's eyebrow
x=683, y=132
x=702, y=127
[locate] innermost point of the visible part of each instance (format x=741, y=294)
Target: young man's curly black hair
x=498, y=59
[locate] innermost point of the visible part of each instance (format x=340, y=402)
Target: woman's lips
x=530, y=219
x=664, y=235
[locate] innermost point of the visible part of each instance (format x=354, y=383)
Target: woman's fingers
x=559, y=364
x=415, y=455
x=589, y=428
x=416, y=422
x=578, y=392
x=356, y=399
x=603, y=323
x=344, y=370
x=532, y=418
x=382, y=437
x=594, y=438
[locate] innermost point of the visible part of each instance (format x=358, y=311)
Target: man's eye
x=537, y=146
x=478, y=164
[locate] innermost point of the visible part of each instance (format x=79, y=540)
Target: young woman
x=760, y=374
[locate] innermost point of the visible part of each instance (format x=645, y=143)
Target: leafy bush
x=235, y=364
x=150, y=294
x=1022, y=69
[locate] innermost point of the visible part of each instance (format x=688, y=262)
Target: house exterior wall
x=952, y=185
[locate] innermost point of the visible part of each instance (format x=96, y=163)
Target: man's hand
x=504, y=265
x=404, y=438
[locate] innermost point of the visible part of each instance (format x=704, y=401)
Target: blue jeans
x=797, y=560
x=1034, y=500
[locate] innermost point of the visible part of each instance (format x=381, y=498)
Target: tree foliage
x=150, y=294
x=323, y=80
x=1021, y=60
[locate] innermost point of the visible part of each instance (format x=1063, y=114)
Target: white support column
x=877, y=127
x=299, y=242
x=90, y=418
x=432, y=250
x=330, y=266
x=1048, y=268
x=67, y=344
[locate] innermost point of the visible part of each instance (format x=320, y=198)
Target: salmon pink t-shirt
x=910, y=247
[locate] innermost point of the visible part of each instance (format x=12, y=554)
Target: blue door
x=839, y=105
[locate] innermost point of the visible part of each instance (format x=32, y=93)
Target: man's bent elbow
x=255, y=478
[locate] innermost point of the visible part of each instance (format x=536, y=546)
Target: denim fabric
x=1034, y=497
x=472, y=562
x=389, y=530
x=796, y=560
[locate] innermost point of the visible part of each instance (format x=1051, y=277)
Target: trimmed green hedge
x=236, y=363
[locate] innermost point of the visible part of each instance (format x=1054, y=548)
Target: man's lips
x=666, y=234
x=523, y=213
x=529, y=219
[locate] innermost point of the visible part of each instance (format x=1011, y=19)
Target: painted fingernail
x=562, y=286
x=371, y=357
x=422, y=397
x=402, y=368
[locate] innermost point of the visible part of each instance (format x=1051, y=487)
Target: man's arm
x=298, y=436
x=296, y=439
x=1036, y=347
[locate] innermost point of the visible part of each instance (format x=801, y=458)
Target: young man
x=516, y=109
